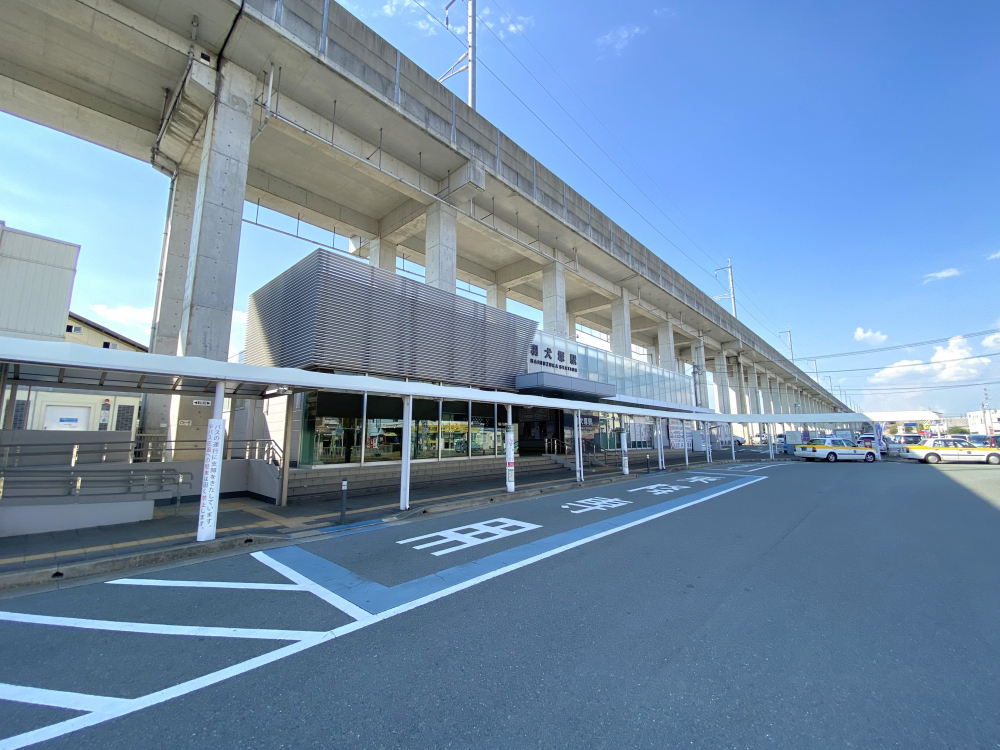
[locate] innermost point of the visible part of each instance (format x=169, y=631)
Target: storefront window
x=483, y=433
x=454, y=429
x=385, y=422
x=424, y=429
x=331, y=429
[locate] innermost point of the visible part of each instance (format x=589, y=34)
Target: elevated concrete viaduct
x=299, y=107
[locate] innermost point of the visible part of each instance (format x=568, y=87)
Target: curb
x=104, y=566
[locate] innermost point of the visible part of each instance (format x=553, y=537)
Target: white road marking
x=472, y=534
x=702, y=479
x=158, y=629
x=661, y=489
x=209, y=584
x=348, y=608
x=80, y=722
x=59, y=698
x=597, y=503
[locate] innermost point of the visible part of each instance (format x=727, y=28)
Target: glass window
x=331, y=428
x=385, y=422
x=424, y=429
x=483, y=436
x=454, y=428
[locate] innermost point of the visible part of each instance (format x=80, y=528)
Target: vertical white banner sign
x=509, y=440
x=624, y=451
x=211, y=479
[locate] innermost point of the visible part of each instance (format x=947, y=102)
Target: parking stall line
x=158, y=629
x=208, y=584
x=348, y=608
x=463, y=577
x=59, y=698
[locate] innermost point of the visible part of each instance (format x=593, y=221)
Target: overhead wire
x=894, y=347
x=743, y=290
x=577, y=155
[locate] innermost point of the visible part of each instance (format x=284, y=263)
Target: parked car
x=935, y=450
x=867, y=439
x=834, y=449
x=738, y=440
x=982, y=441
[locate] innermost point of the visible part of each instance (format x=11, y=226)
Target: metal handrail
x=145, y=449
x=75, y=480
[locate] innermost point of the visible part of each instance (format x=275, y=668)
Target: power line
x=913, y=364
x=580, y=158
x=904, y=346
x=745, y=291
x=918, y=389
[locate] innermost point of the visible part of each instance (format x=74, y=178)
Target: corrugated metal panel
x=334, y=313
x=36, y=281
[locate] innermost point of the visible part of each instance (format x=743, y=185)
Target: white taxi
x=834, y=449
x=935, y=450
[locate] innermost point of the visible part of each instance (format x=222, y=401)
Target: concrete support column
x=737, y=378
x=496, y=296
x=754, y=390
x=382, y=254
x=218, y=213
x=666, y=354
x=698, y=365
x=441, y=249
x=571, y=327
x=169, y=306
x=722, y=383
x=621, y=326
x=554, y=299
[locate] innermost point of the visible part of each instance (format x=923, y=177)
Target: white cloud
x=993, y=339
x=428, y=28
x=618, y=39
x=869, y=336
x=995, y=256
x=664, y=12
x=938, y=275
x=898, y=370
x=514, y=24
x=954, y=362
x=392, y=7
x=138, y=318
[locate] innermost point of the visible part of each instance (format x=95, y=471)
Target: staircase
x=324, y=482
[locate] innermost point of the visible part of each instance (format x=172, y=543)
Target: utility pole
x=790, y=349
x=732, y=289
x=468, y=57
x=987, y=421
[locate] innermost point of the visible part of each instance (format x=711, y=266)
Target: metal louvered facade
x=331, y=313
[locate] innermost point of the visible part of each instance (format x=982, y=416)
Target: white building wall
x=36, y=283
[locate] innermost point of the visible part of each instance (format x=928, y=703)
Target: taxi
x=834, y=449
x=935, y=450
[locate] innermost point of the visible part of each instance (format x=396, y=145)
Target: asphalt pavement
x=781, y=604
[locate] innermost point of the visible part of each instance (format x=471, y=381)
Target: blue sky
x=843, y=155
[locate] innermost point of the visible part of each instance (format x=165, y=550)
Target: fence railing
x=43, y=481
x=144, y=449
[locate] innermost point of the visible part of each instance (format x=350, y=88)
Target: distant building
x=79, y=330
x=36, y=284
x=978, y=424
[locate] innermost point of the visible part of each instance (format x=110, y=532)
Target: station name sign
x=553, y=358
